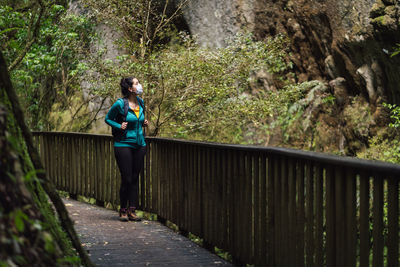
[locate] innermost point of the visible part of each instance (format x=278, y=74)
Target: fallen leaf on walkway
x=69, y=205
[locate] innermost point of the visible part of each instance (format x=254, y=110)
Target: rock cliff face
x=110, y=50
x=347, y=44
x=215, y=21
x=349, y=40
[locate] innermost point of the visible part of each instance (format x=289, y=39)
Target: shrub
x=385, y=146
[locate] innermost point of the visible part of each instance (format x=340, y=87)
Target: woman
x=130, y=148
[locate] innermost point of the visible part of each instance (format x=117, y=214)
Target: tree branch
x=163, y=22
x=159, y=104
x=94, y=117
x=25, y=8
x=29, y=43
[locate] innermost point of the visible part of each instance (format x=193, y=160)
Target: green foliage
x=358, y=117
x=223, y=254
x=29, y=177
x=383, y=149
x=144, y=24
x=68, y=261
x=238, y=94
x=298, y=121
x=396, y=50
x=206, y=94
x=19, y=219
x=394, y=115
x=50, y=70
x=385, y=146
x=243, y=93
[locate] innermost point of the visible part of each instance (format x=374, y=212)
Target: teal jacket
x=133, y=136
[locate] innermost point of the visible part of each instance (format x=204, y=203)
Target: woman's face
x=134, y=83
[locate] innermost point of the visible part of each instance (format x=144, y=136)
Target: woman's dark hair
x=126, y=83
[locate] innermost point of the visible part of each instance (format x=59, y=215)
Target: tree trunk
x=47, y=185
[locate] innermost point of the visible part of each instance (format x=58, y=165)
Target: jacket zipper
x=137, y=127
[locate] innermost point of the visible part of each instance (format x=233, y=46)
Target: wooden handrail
x=323, y=158
x=265, y=205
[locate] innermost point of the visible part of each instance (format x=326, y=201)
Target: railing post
x=393, y=222
x=351, y=227
x=292, y=212
x=319, y=215
x=310, y=249
x=284, y=191
x=270, y=212
x=340, y=218
x=377, y=230
x=364, y=220
x=330, y=218
x=300, y=214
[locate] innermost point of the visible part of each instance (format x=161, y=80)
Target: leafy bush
x=242, y=93
x=395, y=115
x=199, y=93
x=300, y=114
x=385, y=146
x=382, y=149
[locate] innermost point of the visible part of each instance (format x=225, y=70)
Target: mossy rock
x=377, y=10
x=391, y=11
x=385, y=23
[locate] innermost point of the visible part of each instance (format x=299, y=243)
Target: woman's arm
x=112, y=115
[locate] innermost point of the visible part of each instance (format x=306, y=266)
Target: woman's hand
x=145, y=123
x=124, y=125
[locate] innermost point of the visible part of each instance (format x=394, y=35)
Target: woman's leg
x=136, y=167
x=124, y=157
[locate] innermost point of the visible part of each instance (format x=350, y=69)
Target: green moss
x=383, y=22
x=52, y=223
x=379, y=20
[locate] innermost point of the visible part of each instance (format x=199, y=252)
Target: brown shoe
x=132, y=215
x=123, y=215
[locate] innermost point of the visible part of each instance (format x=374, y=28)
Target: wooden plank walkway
x=146, y=243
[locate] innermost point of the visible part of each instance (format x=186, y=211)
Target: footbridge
x=266, y=206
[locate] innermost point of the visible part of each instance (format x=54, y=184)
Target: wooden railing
x=266, y=206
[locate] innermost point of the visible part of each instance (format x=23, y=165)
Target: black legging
x=130, y=163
